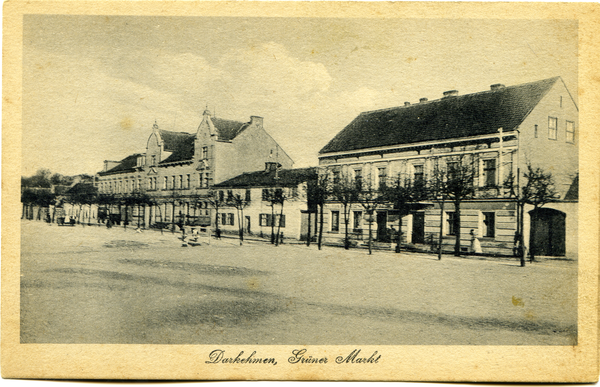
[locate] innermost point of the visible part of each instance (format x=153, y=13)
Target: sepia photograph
x=233, y=182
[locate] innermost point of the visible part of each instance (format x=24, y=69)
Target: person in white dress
x=475, y=245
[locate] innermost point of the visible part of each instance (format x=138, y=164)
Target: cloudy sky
x=94, y=85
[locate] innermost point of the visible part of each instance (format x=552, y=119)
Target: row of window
x=264, y=220
x=231, y=196
x=204, y=156
x=488, y=172
x=553, y=130
x=166, y=182
x=488, y=225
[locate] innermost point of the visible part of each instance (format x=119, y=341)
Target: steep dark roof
x=180, y=143
x=128, y=164
x=573, y=192
x=228, y=129
x=457, y=116
x=286, y=178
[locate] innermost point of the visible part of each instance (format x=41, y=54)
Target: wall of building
x=257, y=147
x=559, y=156
x=292, y=209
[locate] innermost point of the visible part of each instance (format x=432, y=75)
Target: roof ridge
x=176, y=132
x=555, y=78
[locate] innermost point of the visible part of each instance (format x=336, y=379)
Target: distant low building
x=260, y=189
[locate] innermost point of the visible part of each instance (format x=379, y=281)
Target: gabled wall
x=559, y=157
x=248, y=152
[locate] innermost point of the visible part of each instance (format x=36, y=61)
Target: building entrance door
x=382, y=226
x=247, y=224
x=418, y=229
x=548, y=232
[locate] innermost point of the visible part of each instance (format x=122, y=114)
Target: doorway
x=382, y=235
x=548, y=232
x=418, y=227
x=247, y=224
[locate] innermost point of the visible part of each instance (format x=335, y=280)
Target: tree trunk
x=308, y=236
x=242, y=224
x=173, y=218
x=531, y=249
x=320, y=242
x=370, y=225
x=521, y=239
x=399, y=236
x=241, y=238
x=272, y=224
x=217, y=219
x=279, y=225
x=457, y=228
x=441, y=238
x=346, y=220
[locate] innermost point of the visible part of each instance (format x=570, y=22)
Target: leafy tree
x=403, y=193
x=41, y=179
x=82, y=194
x=345, y=191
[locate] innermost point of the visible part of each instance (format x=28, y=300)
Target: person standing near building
x=475, y=245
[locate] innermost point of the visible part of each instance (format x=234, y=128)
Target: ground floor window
x=266, y=220
x=335, y=221
x=227, y=219
x=450, y=218
x=357, y=221
x=489, y=224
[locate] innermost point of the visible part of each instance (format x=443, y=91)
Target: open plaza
x=91, y=284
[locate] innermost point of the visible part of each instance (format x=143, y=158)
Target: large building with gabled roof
x=502, y=130
x=178, y=169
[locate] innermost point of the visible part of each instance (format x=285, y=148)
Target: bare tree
x=370, y=198
x=344, y=190
x=240, y=202
x=275, y=196
x=439, y=193
x=216, y=200
x=458, y=185
x=404, y=193
x=317, y=195
x=538, y=190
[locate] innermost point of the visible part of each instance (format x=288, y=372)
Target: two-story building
x=178, y=169
x=501, y=131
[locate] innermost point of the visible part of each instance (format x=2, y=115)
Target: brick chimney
x=497, y=86
x=450, y=93
x=256, y=120
x=423, y=100
x=109, y=164
x=271, y=166
x=406, y=103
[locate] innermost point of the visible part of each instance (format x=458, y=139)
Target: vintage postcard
x=300, y=191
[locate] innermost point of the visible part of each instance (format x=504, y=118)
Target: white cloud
x=270, y=73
